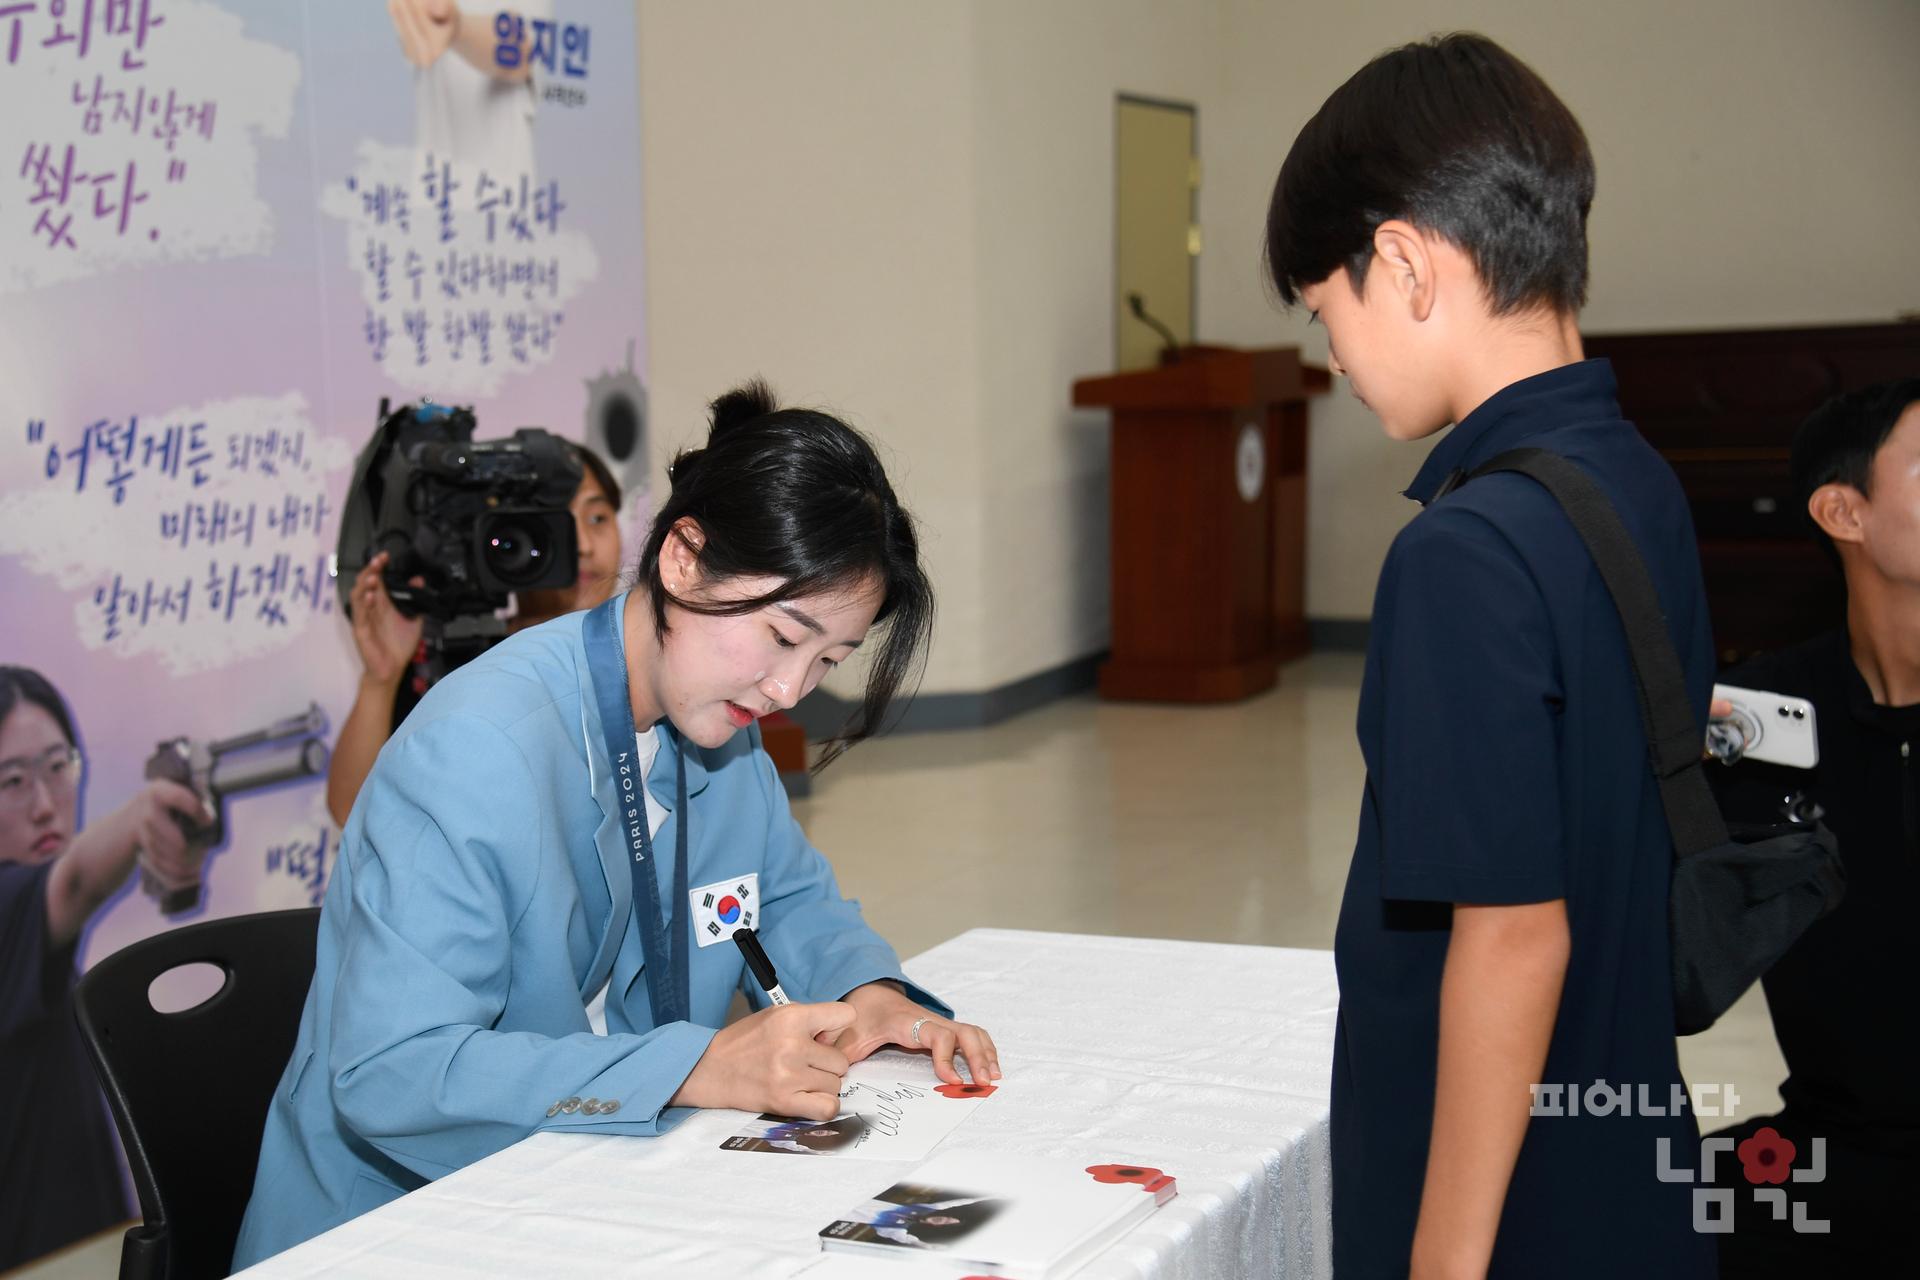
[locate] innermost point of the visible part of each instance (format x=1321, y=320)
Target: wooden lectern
x=1209, y=521
x=786, y=743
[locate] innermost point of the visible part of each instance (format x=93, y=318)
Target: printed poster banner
x=227, y=231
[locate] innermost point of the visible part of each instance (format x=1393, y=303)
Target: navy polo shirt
x=1506, y=763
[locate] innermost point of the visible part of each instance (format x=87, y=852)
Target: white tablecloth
x=1208, y=1061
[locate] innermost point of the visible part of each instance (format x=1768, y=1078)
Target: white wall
x=810, y=217
x=904, y=212
x=1045, y=77
x=1758, y=160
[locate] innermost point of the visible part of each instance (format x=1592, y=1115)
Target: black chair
x=189, y=1090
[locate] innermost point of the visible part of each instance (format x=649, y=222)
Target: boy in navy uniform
x=1848, y=1024
x=1502, y=946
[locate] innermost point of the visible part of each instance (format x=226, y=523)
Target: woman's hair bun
x=741, y=405
x=798, y=497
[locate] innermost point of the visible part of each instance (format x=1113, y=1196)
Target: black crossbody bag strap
x=1674, y=738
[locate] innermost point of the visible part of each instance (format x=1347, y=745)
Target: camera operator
x=60, y=1180
x=1841, y=1002
x=389, y=642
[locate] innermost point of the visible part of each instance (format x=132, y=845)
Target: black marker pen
x=762, y=967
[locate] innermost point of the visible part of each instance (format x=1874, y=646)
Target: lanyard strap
x=661, y=934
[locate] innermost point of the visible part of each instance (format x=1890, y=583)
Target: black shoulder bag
x=1740, y=899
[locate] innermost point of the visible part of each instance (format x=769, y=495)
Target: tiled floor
x=1232, y=824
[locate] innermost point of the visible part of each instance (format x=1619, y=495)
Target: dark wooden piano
x=1722, y=408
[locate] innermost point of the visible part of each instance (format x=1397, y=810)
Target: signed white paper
x=891, y=1108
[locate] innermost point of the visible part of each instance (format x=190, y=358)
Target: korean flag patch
x=719, y=909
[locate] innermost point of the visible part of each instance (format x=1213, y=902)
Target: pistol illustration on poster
x=281, y=752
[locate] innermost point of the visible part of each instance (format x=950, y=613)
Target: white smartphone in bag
x=1770, y=727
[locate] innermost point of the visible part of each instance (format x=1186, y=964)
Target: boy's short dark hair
x=1459, y=137
x=1838, y=441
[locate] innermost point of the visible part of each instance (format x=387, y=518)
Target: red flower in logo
x=1149, y=1179
x=1767, y=1156
x=964, y=1090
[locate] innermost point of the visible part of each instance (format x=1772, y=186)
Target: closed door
x=1157, y=175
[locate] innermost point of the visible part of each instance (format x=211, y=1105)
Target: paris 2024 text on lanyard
x=662, y=934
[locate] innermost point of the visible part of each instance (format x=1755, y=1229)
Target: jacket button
x=610, y=1106
x=570, y=1106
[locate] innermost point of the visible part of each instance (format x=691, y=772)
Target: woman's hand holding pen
x=780, y=1061
x=886, y=1016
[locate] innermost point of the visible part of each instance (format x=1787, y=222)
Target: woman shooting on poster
x=60, y=1180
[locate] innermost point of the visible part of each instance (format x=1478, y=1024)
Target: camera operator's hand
x=771, y=1062
x=162, y=845
x=386, y=638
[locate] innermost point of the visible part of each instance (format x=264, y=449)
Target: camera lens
x=514, y=553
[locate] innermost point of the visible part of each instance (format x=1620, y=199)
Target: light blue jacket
x=482, y=895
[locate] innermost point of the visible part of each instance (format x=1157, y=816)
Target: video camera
x=474, y=520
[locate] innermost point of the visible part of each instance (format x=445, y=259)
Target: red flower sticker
x=1767, y=1156
x=1148, y=1179
x=964, y=1090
